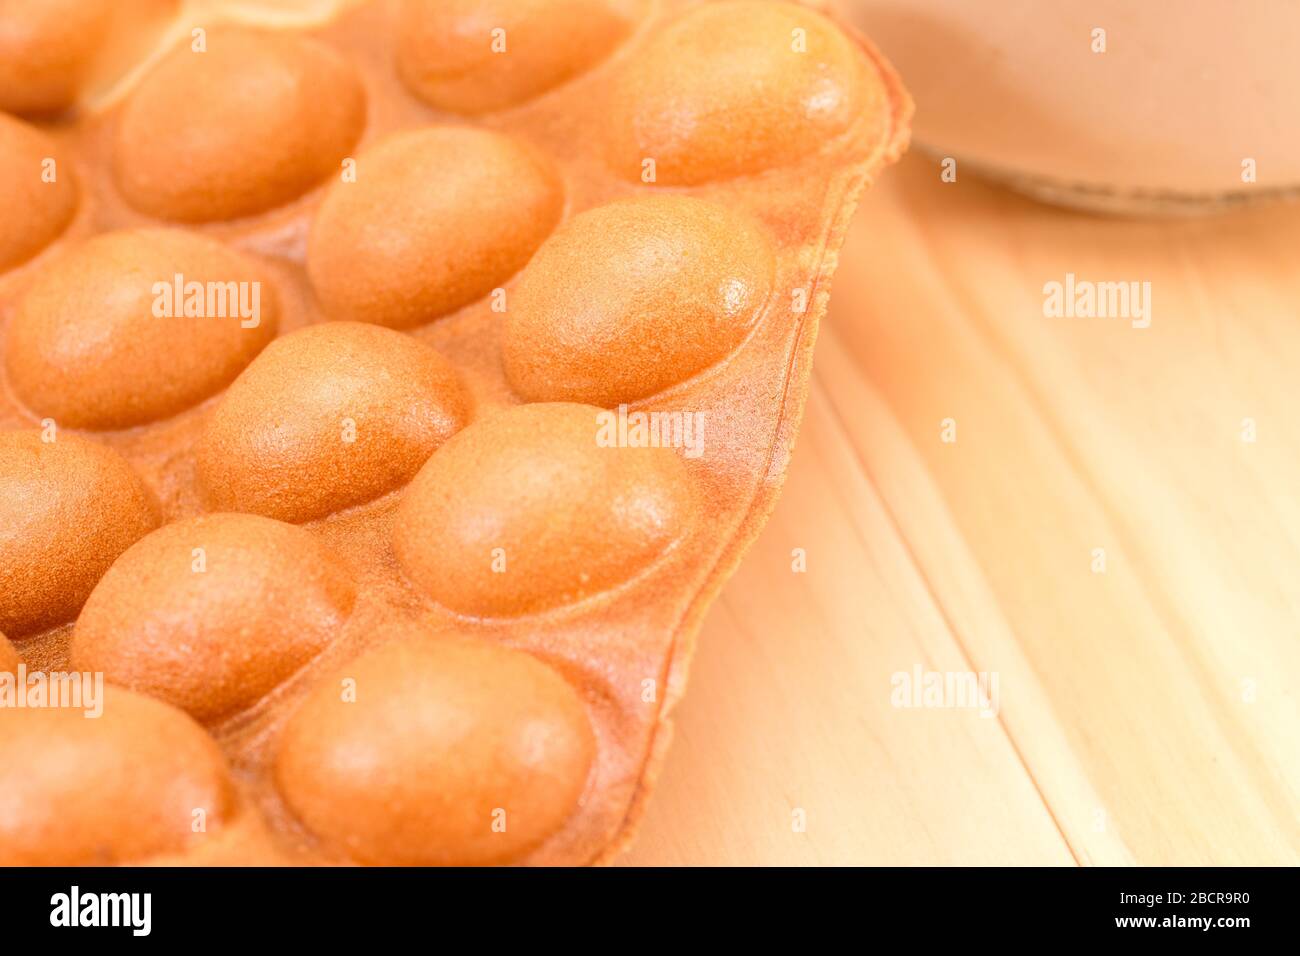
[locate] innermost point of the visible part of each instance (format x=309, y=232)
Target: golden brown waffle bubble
x=137, y=780
x=173, y=317
x=38, y=192
x=329, y=416
x=435, y=751
x=472, y=56
x=630, y=298
x=46, y=48
x=212, y=613
x=248, y=122
x=436, y=218
x=526, y=510
x=69, y=507
x=735, y=88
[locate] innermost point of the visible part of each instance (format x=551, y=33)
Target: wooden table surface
x=1114, y=532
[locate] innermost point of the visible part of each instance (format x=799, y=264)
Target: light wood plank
x=790, y=705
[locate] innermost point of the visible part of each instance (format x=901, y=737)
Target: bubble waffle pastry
x=331, y=344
